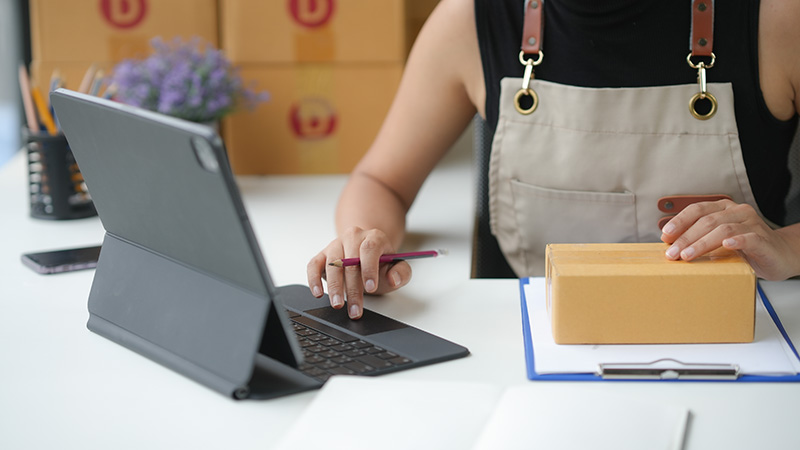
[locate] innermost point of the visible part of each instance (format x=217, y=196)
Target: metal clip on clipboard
x=667, y=369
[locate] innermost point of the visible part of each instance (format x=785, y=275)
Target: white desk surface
x=62, y=386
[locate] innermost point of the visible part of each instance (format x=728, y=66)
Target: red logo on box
x=124, y=13
x=311, y=13
x=312, y=118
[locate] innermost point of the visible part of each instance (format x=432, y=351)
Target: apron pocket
x=547, y=216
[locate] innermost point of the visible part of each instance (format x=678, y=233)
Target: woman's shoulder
x=779, y=56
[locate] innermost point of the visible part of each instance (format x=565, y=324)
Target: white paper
x=528, y=418
x=768, y=354
x=357, y=413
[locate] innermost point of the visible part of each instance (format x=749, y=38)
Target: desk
x=65, y=387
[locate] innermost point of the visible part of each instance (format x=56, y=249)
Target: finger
x=370, y=252
x=355, y=291
x=689, y=216
x=396, y=275
x=353, y=285
x=314, y=272
x=705, y=218
x=711, y=241
x=334, y=275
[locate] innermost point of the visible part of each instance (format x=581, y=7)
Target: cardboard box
x=631, y=294
x=321, y=118
x=288, y=31
x=112, y=30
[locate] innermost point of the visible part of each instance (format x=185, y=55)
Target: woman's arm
x=437, y=97
x=700, y=228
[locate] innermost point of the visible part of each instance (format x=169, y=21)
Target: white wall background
x=10, y=56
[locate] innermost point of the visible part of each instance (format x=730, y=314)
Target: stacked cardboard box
x=331, y=67
x=71, y=35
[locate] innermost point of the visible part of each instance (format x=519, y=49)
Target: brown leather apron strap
x=702, y=35
x=701, y=44
x=526, y=100
x=533, y=27
x=701, y=38
x=676, y=203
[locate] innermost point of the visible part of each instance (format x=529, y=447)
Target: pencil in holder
x=55, y=183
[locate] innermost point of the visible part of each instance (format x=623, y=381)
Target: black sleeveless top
x=637, y=43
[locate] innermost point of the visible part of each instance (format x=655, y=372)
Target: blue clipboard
x=530, y=362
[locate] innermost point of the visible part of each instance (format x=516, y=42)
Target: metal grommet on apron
x=590, y=164
x=531, y=45
x=701, y=44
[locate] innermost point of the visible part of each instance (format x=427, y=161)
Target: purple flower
x=181, y=80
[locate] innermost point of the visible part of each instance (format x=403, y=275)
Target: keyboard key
x=371, y=360
x=329, y=354
x=330, y=331
x=327, y=365
x=359, y=367
x=386, y=355
x=400, y=360
x=323, y=377
x=341, y=371
x=373, y=350
x=341, y=359
x=361, y=344
x=342, y=347
x=315, y=359
x=353, y=353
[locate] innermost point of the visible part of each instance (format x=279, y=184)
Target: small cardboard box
x=112, y=30
x=291, y=31
x=631, y=294
x=320, y=118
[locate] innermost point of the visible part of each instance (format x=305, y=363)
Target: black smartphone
x=66, y=260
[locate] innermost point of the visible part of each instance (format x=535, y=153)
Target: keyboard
x=328, y=351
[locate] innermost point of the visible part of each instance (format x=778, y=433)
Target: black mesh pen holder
x=55, y=184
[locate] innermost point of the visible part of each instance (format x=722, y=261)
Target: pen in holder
x=55, y=184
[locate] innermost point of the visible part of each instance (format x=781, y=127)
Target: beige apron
x=589, y=165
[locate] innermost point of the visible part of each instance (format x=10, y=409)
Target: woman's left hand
x=705, y=226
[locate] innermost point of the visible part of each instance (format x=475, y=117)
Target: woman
x=600, y=118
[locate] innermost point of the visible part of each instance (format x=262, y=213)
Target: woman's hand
x=705, y=226
x=352, y=282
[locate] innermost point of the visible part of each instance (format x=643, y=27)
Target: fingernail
x=316, y=291
x=369, y=285
x=730, y=242
x=668, y=228
x=672, y=252
x=395, y=279
x=687, y=253
x=337, y=301
x=355, y=312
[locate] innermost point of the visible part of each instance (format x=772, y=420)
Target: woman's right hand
x=352, y=282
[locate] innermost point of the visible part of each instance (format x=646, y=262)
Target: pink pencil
x=393, y=257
